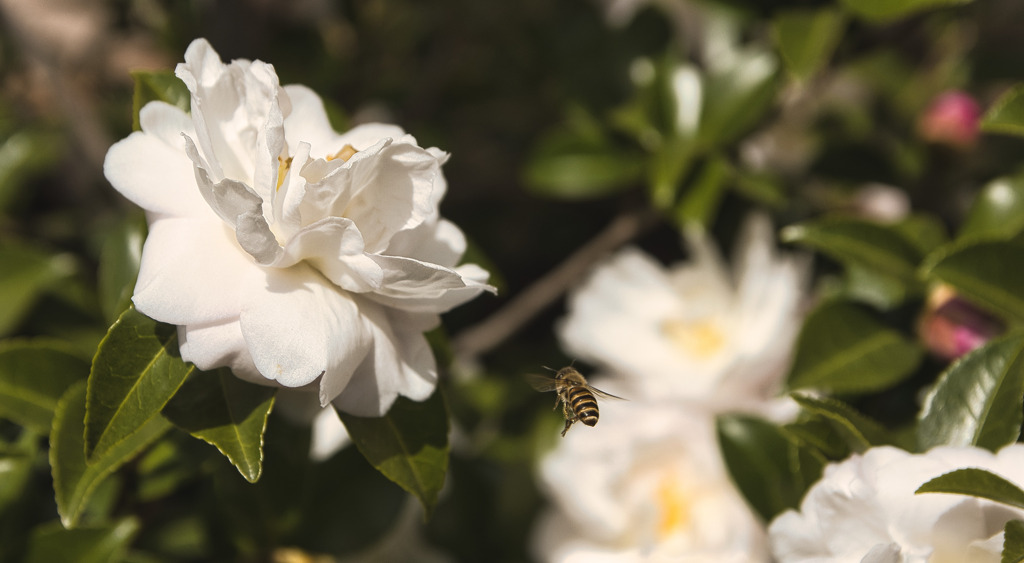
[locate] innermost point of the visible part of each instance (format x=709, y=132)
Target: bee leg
x=568, y=423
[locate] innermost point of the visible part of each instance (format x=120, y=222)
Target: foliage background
x=495, y=84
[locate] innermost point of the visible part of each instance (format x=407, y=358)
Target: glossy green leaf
x=997, y=212
x=93, y=544
x=819, y=433
x=859, y=431
x=987, y=273
x=768, y=466
x=583, y=173
x=699, y=203
x=73, y=480
x=33, y=376
x=119, y=265
x=228, y=413
x=27, y=272
x=737, y=97
x=162, y=86
x=848, y=239
x=1013, y=542
x=137, y=369
x=867, y=285
x=23, y=154
x=409, y=445
x=924, y=231
x=888, y=10
x=843, y=349
x=977, y=401
x=1007, y=114
x=976, y=482
x=806, y=38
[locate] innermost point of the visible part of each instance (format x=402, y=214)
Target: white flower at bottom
x=696, y=330
x=646, y=484
x=294, y=255
x=864, y=510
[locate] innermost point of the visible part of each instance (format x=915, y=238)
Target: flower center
x=344, y=154
x=701, y=339
x=283, y=164
x=674, y=504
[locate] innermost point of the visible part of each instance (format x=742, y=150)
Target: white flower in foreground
x=647, y=484
x=695, y=330
x=865, y=510
x=297, y=256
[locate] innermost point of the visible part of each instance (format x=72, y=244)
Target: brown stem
x=492, y=331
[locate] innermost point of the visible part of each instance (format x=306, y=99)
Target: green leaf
x=867, y=285
x=1007, y=114
x=33, y=376
x=843, y=349
x=977, y=401
x=93, y=544
x=137, y=369
x=986, y=273
x=851, y=240
x=409, y=445
x=806, y=38
x=16, y=461
x=976, y=482
x=161, y=86
x=119, y=265
x=27, y=272
x=737, y=97
x=1013, y=542
x=228, y=413
x=859, y=431
x=25, y=153
x=583, y=173
x=997, y=212
x=73, y=480
x=700, y=201
x=768, y=466
x=925, y=232
x=819, y=433
x=888, y=10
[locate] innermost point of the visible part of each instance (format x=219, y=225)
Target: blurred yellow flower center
x=283, y=164
x=674, y=503
x=700, y=339
x=344, y=154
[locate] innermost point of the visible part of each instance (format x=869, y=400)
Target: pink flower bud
x=952, y=326
x=952, y=119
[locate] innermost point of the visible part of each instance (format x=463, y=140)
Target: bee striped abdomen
x=583, y=405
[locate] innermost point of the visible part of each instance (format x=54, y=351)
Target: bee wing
x=541, y=382
x=604, y=395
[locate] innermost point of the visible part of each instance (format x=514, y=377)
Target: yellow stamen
x=701, y=339
x=344, y=154
x=674, y=503
x=283, y=164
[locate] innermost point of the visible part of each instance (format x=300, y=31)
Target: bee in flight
x=578, y=398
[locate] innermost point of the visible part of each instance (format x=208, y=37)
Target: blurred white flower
x=865, y=509
x=297, y=256
x=695, y=330
x=650, y=486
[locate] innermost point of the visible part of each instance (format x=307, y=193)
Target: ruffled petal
x=298, y=327
x=214, y=345
x=155, y=175
x=414, y=286
x=401, y=363
x=191, y=272
x=239, y=206
x=308, y=122
x=335, y=248
x=364, y=136
x=440, y=243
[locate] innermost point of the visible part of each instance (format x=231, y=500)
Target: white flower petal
x=335, y=248
x=364, y=136
x=329, y=435
x=440, y=243
x=165, y=185
x=213, y=345
x=180, y=285
x=308, y=122
x=414, y=286
x=401, y=363
x=298, y=327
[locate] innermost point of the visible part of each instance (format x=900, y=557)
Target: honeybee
x=578, y=398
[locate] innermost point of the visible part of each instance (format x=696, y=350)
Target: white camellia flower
x=293, y=254
x=647, y=484
x=694, y=331
x=864, y=510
